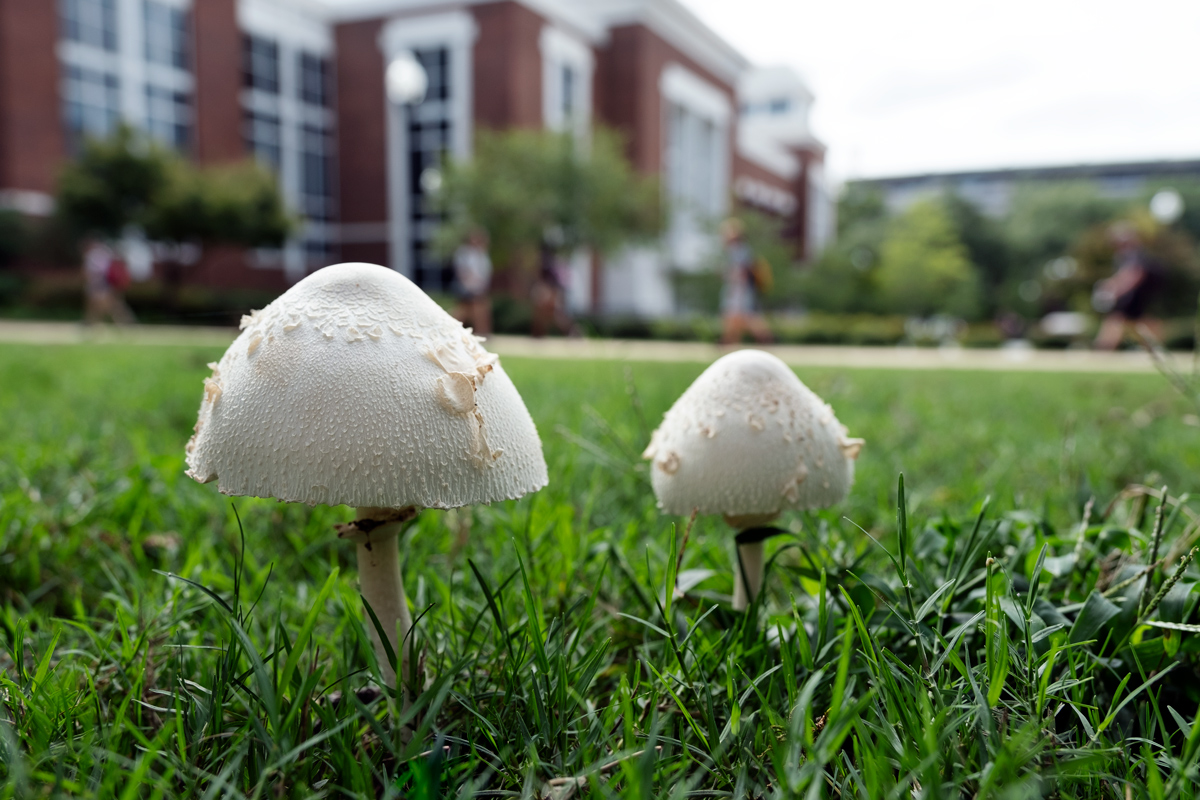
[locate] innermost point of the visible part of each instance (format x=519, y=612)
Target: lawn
x=159, y=640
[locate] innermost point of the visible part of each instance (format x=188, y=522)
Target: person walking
x=1125, y=297
x=105, y=279
x=740, y=311
x=473, y=283
x=549, y=296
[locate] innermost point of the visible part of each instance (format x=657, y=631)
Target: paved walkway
x=629, y=350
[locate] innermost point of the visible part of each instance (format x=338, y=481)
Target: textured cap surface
x=355, y=388
x=748, y=438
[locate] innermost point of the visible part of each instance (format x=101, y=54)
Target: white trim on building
x=762, y=195
x=677, y=25
x=572, y=15
x=293, y=32
x=696, y=164
x=299, y=24
x=34, y=204
x=568, y=64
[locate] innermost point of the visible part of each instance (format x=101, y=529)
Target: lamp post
x=1167, y=206
x=405, y=82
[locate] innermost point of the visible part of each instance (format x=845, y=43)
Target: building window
x=90, y=22
x=429, y=131
x=93, y=104
x=691, y=166
x=262, y=138
x=569, y=90
x=260, y=64
x=314, y=79
x=169, y=116
x=316, y=191
x=166, y=34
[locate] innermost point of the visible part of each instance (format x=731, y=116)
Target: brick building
x=299, y=84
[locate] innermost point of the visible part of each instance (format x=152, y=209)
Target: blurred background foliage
x=125, y=182
x=127, y=185
x=943, y=255
x=938, y=256
x=12, y=236
x=527, y=188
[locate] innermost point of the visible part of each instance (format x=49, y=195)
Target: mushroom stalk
x=382, y=587
x=747, y=574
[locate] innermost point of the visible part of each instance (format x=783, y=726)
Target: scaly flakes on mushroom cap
x=354, y=387
x=748, y=438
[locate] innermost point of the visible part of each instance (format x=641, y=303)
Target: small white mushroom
x=704, y=459
x=365, y=420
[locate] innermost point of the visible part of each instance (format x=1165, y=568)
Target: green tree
x=841, y=280
x=126, y=181
x=12, y=236
x=112, y=184
x=924, y=267
x=235, y=204
x=1046, y=219
x=987, y=247
x=522, y=184
x=1189, y=190
x=860, y=203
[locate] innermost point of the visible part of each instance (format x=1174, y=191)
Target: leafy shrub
x=12, y=236
x=924, y=267
x=126, y=181
x=521, y=185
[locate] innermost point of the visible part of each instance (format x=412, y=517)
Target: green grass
x=948, y=665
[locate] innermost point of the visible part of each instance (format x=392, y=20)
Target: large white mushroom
x=748, y=440
x=355, y=388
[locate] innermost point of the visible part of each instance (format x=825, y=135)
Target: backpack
x=761, y=274
x=117, y=276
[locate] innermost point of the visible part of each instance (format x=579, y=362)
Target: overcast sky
x=908, y=86
x=936, y=85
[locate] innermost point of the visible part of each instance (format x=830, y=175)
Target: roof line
x=1086, y=169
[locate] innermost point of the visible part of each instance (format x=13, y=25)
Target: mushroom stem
x=747, y=574
x=382, y=588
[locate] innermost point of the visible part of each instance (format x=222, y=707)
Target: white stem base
x=382, y=587
x=751, y=555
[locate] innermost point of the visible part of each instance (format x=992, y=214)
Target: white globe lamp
x=406, y=80
x=1167, y=206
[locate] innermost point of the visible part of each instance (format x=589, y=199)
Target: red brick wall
x=218, y=70
x=627, y=92
x=32, y=142
x=362, y=134
x=508, y=66
x=227, y=267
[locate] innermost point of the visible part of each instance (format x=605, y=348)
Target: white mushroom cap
x=748, y=439
x=355, y=388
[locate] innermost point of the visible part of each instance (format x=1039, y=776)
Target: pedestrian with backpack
x=745, y=277
x=105, y=279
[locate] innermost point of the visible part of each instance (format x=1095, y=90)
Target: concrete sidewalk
x=41, y=333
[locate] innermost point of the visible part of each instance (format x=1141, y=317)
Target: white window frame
x=129, y=62
x=456, y=31
x=560, y=50
x=292, y=33
x=687, y=240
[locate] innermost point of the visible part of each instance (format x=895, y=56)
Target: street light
x=1166, y=206
x=406, y=80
